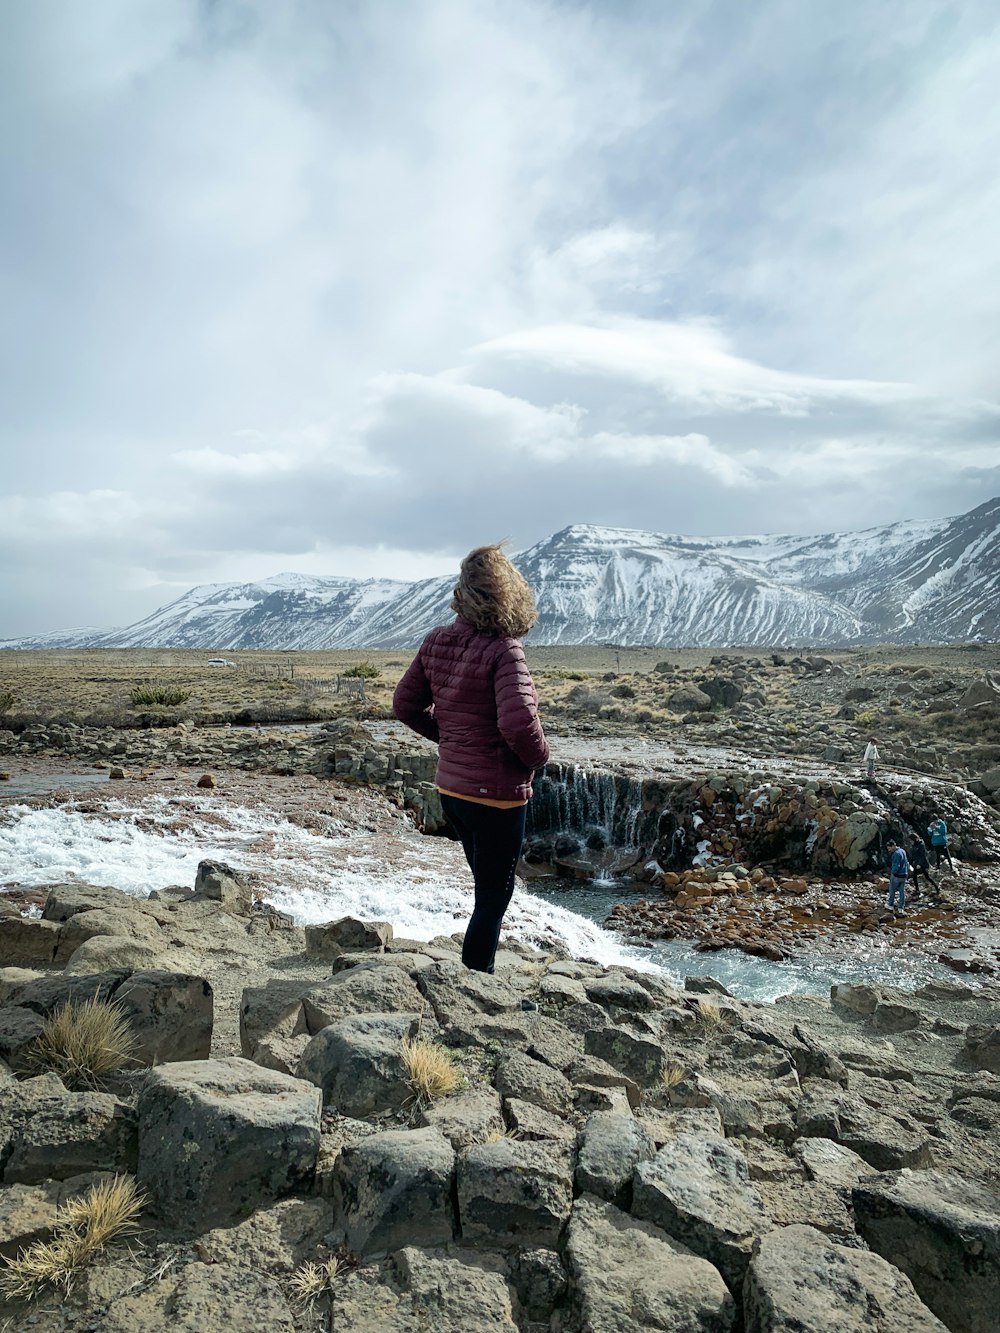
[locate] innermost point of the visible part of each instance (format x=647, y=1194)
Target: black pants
x=916, y=872
x=492, y=841
x=939, y=850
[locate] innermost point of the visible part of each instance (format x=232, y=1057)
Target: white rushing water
x=420, y=884
x=425, y=892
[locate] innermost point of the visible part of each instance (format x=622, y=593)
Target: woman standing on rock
x=469, y=690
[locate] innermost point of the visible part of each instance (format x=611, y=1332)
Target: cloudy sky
x=347, y=288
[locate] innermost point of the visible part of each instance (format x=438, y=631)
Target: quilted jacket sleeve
x=412, y=701
x=517, y=708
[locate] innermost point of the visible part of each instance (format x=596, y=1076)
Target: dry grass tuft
x=498, y=1135
x=83, y=1227
x=313, y=1280
x=83, y=1042
x=430, y=1070
x=673, y=1074
x=712, y=1015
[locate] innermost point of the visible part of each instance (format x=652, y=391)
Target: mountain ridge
x=918, y=580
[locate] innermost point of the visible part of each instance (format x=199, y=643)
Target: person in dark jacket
x=899, y=869
x=469, y=690
x=937, y=830
x=919, y=865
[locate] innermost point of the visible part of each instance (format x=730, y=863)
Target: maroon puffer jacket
x=472, y=693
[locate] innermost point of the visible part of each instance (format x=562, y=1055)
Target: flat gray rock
x=943, y=1231
x=800, y=1281
x=698, y=1190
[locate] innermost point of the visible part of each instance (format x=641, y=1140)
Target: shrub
x=672, y=1074
x=83, y=1041
x=791, y=728
x=159, y=696
x=430, y=1070
x=7, y=701
x=366, y=670
x=313, y=1280
x=865, y=718
x=82, y=1228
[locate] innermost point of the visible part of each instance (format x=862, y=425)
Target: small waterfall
x=603, y=809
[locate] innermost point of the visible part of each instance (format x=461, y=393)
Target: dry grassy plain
x=620, y=690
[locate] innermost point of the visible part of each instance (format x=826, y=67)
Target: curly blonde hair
x=493, y=595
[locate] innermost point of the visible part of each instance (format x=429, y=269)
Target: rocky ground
x=619, y=1153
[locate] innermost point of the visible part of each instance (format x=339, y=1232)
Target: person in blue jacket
x=899, y=869
x=937, y=831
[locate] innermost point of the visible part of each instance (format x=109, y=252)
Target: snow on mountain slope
x=915, y=581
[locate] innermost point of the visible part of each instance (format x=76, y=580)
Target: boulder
x=530, y=1080
x=982, y=691
x=611, y=1147
x=370, y=988
x=170, y=1014
x=886, y=1142
x=801, y=1281
x=19, y=1029
x=418, y=1290
x=223, y=884
x=631, y=1277
x=943, y=1231
x=467, y=1118
x=393, y=1189
x=617, y=991
x=27, y=940
x=332, y=938
x=722, y=692
x=49, y=1133
x=218, y=1138
x=697, y=1189
x=125, y=922
x=460, y=996
x=271, y=1013
x=831, y=1163
x=514, y=1194
x=689, y=699
x=65, y=900
x=358, y=1063
x=641, y=1058
x=279, y=1236
x=982, y=1046
x=529, y=1121
x=891, y=1016
x=855, y=998
x=102, y=953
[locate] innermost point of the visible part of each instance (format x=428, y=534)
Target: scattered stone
x=53, y=1134
x=466, y=1118
x=530, y=1080
x=346, y=935
x=831, y=1163
x=890, y=1016
x=206, y=780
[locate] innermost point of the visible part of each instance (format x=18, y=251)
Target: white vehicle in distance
x=220, y=661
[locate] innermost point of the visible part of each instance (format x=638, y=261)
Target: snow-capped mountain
x=917, y=581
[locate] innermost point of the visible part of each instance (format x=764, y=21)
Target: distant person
x=469, y=690
x=871, y=757
x=899, y=869
x=937, y=831
x=919, y=865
